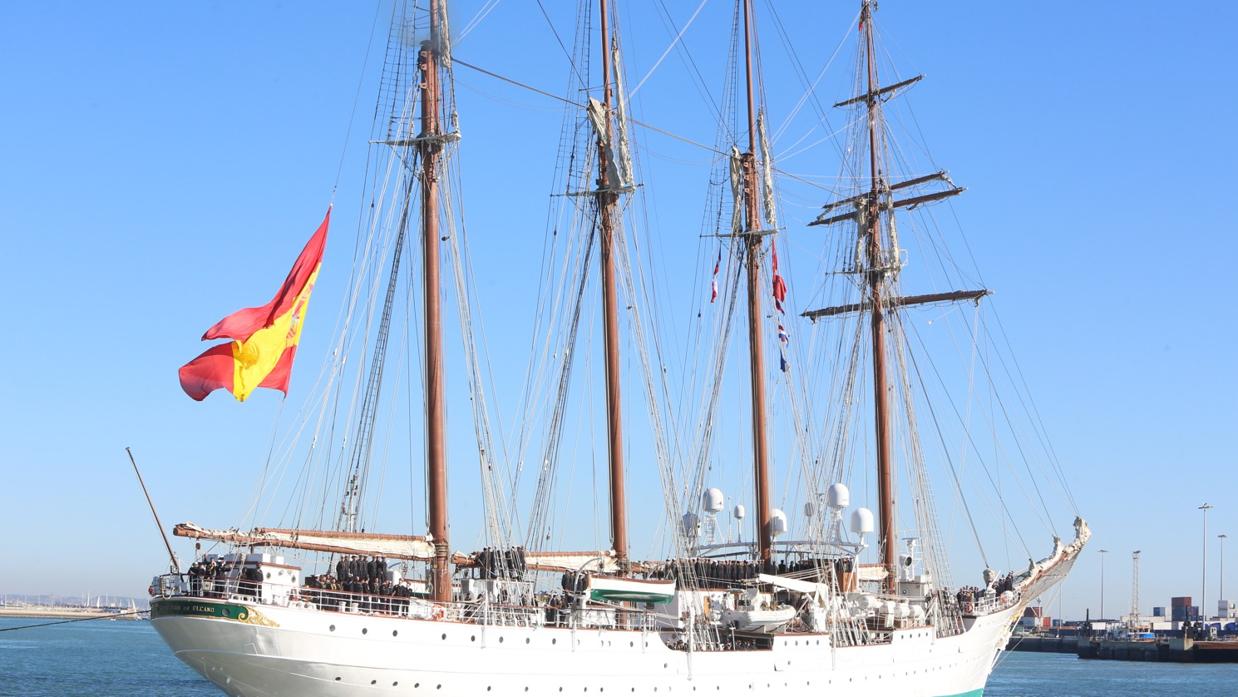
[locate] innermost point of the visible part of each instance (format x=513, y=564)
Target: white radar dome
x=861, y=521
x=840, y=496
x=739, y=511
x=777, y=523
x=712, y=500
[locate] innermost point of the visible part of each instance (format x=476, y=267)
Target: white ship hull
x=308, y=652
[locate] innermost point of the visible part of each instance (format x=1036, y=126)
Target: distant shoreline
x=66, y=613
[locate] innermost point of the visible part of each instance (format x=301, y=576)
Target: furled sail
x=411, y=547
x=616, y=176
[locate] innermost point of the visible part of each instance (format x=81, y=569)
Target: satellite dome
x=840, y=496
x=862, y=521
x=739, y=511
x=777, y=523
x=712, y=500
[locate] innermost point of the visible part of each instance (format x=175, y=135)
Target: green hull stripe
x=191, y=608
x=183, y=607
x=973, y=693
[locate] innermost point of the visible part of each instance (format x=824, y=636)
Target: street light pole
x=1203, y=584
x=1221, y=582
x=1103, y=552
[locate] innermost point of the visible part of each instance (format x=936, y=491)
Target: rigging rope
x=669, y=48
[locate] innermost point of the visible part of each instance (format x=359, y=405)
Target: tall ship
x=837, y=600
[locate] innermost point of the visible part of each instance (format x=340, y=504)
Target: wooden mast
x=752, y=237
x=606, y=199
x=875, y=276
x=436, y=466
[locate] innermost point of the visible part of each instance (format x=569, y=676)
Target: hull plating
x=307, y=652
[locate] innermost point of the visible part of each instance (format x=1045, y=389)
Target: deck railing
x=477, y=611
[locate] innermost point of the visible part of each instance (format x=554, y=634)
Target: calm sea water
x=128, y=659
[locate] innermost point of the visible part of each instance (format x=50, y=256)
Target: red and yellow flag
x=264, y=338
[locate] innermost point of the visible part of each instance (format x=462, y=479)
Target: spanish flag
x=264, y=338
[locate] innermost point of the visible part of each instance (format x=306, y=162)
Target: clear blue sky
x=161, y=163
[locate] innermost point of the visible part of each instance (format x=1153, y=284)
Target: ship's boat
x=763, y=621
x=637, y=590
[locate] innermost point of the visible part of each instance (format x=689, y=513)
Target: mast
x=875, y=277
x=436, y=466
x=606, y=199
x=752, y=237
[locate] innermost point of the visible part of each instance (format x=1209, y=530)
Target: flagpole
x=176, y=566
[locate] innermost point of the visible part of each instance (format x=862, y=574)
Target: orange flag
x=265, y=338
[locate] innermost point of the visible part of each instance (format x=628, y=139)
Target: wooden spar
x=408, y=547
x=905, y=301
x=606, y=198
x=916, y=181
x=876, y=275
x=436, y=466
x=873, y=94
x=909, y=202
x=176, y=565
x=760, y=452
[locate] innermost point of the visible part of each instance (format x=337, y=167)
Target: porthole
x=444, y=637
x=331, y=628
x=554, y=641
x=472, y=637
x=337, y=678
x=500, y=640
x=438, y=686
x=364, y=630
x=395, y=632
x=526, y=640
x=396, y=683
x=226, y=612
x=373, y=682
